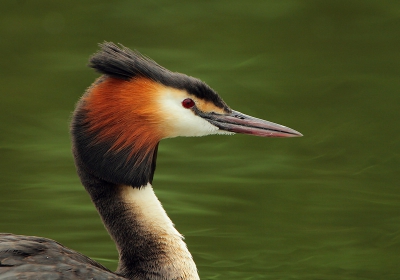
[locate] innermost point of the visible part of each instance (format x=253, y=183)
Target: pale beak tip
x=298, y=134
x=294, y=133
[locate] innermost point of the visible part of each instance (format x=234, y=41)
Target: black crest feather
x=123, y=63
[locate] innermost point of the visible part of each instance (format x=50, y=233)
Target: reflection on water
x=324, y=206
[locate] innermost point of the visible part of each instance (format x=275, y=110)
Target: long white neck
x=171, y=253
x=149, y=246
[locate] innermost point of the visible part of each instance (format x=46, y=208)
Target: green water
x=324, y=206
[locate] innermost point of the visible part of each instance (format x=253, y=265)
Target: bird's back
x=30, y=257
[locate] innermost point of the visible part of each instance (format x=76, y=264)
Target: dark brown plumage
x=30, y=257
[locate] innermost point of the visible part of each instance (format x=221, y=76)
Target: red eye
x=188, y=103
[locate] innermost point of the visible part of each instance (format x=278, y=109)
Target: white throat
x=151, y=215
x=149, y=208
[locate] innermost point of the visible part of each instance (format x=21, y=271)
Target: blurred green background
x=324, y=206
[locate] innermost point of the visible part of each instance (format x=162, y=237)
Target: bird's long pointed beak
x=240, y=123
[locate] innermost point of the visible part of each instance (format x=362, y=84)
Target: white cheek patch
x=180, y=121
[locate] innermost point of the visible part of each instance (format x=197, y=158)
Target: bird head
x=121, y=118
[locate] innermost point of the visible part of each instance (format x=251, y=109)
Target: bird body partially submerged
x=31, y=257
x=116, y=129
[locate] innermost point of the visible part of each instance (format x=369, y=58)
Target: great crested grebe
x=116, y=128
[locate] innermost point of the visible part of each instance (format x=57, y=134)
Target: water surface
x=325, y=206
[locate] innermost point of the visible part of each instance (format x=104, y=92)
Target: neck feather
x=148, y=244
